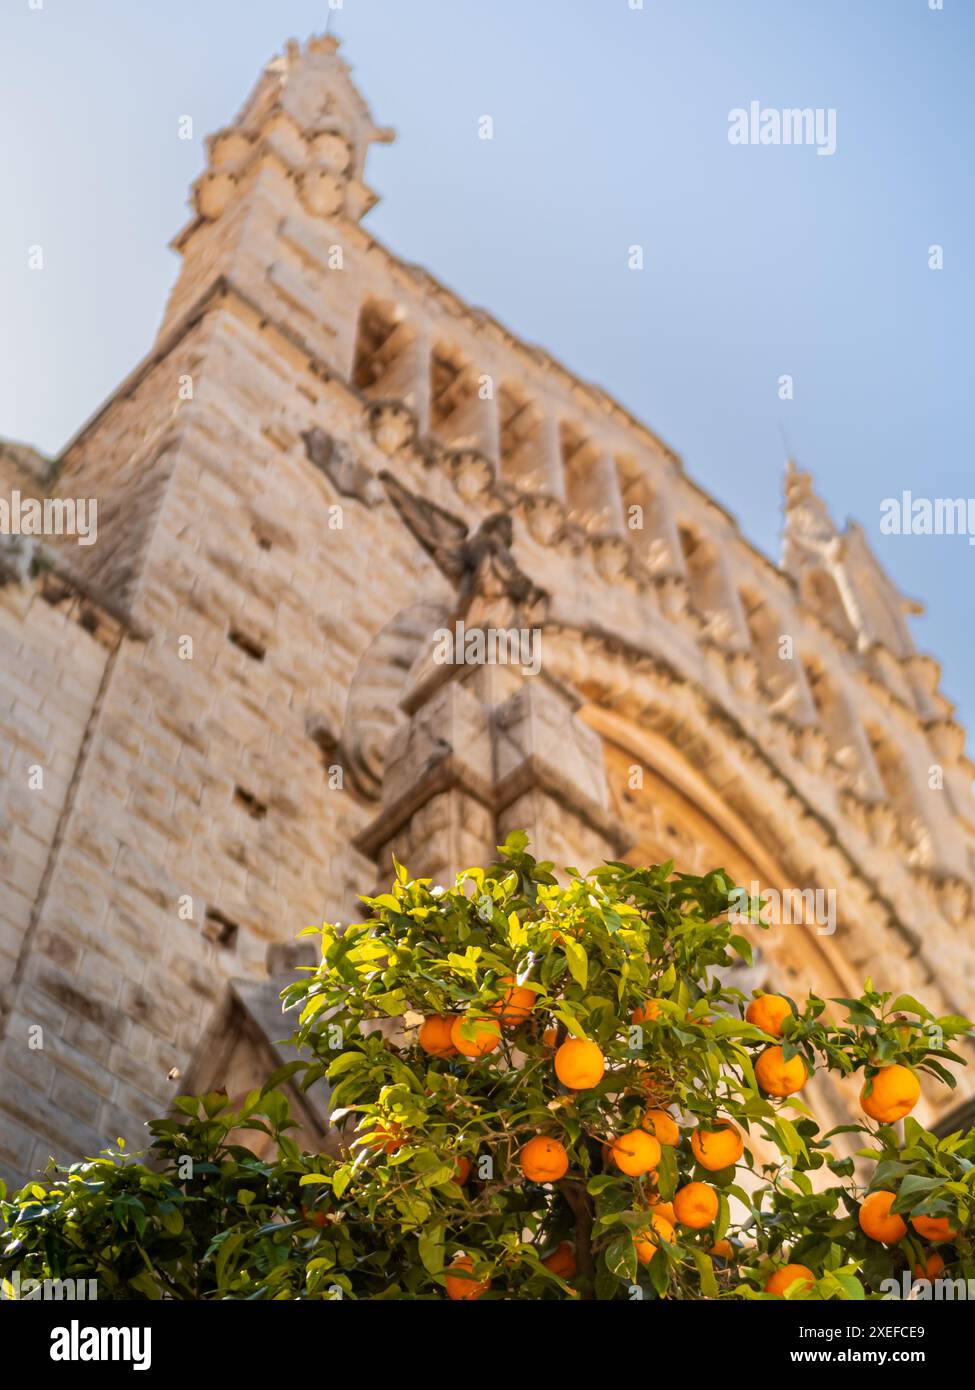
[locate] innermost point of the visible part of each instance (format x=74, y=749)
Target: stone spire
x=809, y=528
x=839, y=575
x=307, y=112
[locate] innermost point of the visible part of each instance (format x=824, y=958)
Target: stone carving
x=17, y=558
x=373, y=714
x=482, y=566
x=338, y=462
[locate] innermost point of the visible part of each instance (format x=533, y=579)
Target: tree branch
x=581, y=1206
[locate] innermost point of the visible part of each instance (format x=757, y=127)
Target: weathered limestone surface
x=325, y=459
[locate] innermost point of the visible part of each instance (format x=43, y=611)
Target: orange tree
x=544, y=1092
x=566, y=1101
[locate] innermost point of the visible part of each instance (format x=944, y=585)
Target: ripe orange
x=550, y=1037
x=933, y=1266
x=636, y=1153
x=717, y=1148
x=767, y=1013
x=893, y=1093
x=435, y=1035
x=933, y=1227
x=776, y=1076
x=664, y=1209
x=316, y=1218
x=877, y=1222
x=516, y=1005
x=579, y=1064
x=659, y=1123
x=645, y=1012
x=722, y=1250
x=788, y=1274
x=463, y=1170
x=464, y=1289
x=562, y=1261
x=544, y=1160
x=646, y=1241
x=475, y=1036
x=648, y=1085
x=696, y=1205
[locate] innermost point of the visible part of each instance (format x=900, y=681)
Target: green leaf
x=387, y=901
x=430, y=1245
x=907, y=1004
x=228, y=1248
x=346, y=1062
x=578, y=961
x=743, y=946
x=172, y=1220
x=709, y=1284
x=621, y=1258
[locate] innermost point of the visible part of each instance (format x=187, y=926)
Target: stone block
x=537, y=726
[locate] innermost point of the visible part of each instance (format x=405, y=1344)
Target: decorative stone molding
x=674, y=595
x=955, y=897
x=213, y=193
x=883, y=825
x=393, y=427
x=742, y=670
x=543, y=518
x=471, y=473
x=947, y=738
x=810, y=746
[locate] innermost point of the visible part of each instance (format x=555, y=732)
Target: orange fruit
x=893, y=1093
x=934, y=1265
x=562, y=1261
x=463, y=1170
x=722, y=1250
x=464, y=1289
x=645, y=1012
x=636, y=1153
x=550, y=1037
x=435, y=1035
x=646, y=1241
x=788, y=1274
x=877, y=1222
x=388, y=1137
x=768, y=1012
x=717, y=1148
x=544, y=1160
x=933, y=1227
x=696, y=1205
x=664, y=1209
x=659, y=1123
x=474, y=1036
x=776, y=1076
x=316, y=1218
x=516, y=1005
x=646, y=1083
x=579, y=1064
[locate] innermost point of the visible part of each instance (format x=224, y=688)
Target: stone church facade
x=219, y=722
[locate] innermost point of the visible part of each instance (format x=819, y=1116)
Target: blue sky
x=610, y=129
